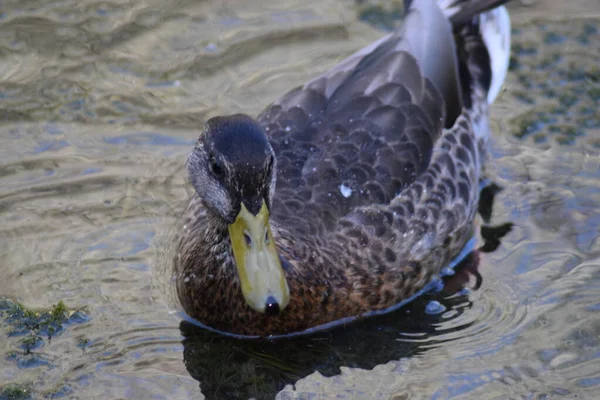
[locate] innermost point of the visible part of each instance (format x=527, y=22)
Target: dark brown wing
x=363, y=131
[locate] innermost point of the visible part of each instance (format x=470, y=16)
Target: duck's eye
x=215, y=167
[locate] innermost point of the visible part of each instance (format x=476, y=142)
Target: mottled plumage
x=374, y=184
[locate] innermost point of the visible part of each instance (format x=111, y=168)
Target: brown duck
x=350, y=193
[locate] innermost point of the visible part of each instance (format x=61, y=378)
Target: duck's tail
x=482, y=32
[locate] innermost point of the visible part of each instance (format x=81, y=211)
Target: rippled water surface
x=100, y=103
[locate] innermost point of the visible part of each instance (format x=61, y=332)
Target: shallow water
x=100, y=103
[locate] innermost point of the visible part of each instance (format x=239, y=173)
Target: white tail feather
x=495, y=31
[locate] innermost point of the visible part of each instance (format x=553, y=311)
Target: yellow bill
x=259, y=269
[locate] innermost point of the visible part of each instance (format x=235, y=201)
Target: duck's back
x=365, y=130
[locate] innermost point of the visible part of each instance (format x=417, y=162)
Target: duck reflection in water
x=230, y=368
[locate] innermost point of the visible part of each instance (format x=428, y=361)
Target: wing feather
x=363, y=131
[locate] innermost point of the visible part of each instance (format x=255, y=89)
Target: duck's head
x=232, y=168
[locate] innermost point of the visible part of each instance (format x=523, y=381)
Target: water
x=100, y=103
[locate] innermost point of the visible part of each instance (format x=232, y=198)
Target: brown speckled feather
x=378, y=164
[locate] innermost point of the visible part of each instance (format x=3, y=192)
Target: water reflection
x=239, y=369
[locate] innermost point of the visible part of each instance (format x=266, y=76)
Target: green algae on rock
x=15, y=391
x=32, y=326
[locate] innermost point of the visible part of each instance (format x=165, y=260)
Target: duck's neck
x=208, y=236
x=217, y=245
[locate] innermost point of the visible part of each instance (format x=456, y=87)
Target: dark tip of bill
x=272, y=306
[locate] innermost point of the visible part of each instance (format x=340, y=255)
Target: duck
x=351, y=193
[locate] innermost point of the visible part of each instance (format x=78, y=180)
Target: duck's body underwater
x=350, y=193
